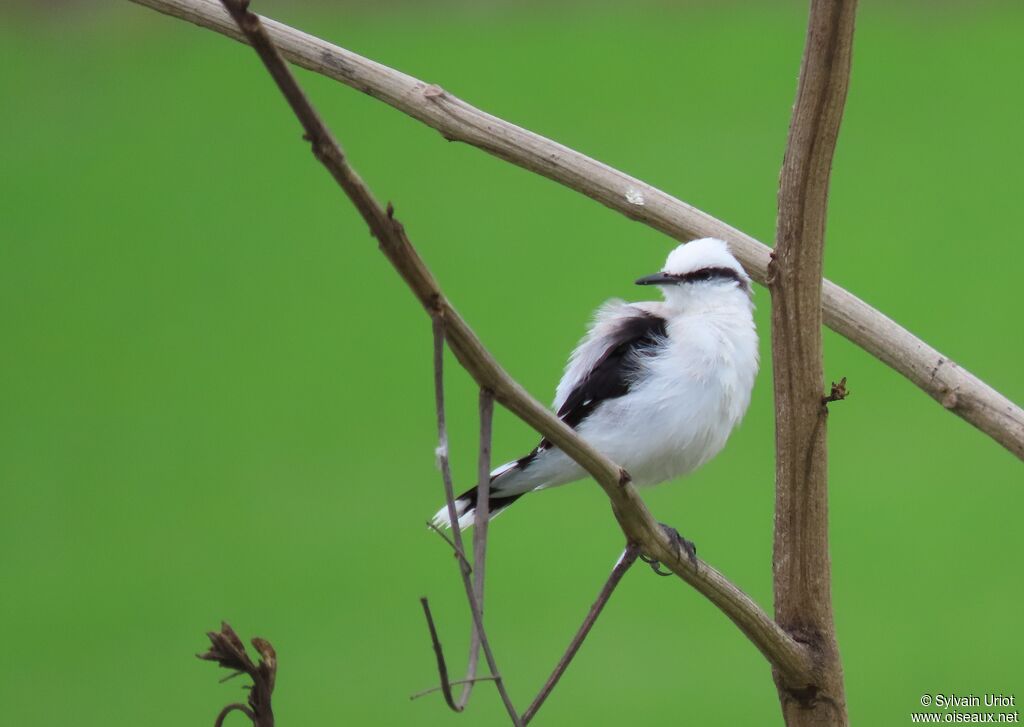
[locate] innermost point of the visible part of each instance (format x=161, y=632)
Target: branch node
x=772, y=272
x=433, y=92
x=950, y=400
x=838, y=392
x=806, y=696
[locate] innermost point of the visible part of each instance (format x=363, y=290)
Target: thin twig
x=455, y=549
x=802, y=571
x=442, y=667
x=481, y=518
x=838, y=392
x=237, y=706
x=488, y=653
x=624, y=563
x=442, y=440
x=638, y=525
x=928, y=369
x=478, y=636
x=431, y=690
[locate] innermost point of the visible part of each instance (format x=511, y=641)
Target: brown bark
x=802, y=570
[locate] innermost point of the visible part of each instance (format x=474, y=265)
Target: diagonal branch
x=330, y=155
x=802, y=572
x=788, y=656
x=955, y=388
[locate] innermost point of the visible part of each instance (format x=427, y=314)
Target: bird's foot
x=655, y=565
x=682, y=544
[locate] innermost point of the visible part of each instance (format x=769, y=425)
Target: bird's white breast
x=686, y=400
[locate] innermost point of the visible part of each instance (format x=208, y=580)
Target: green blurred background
x=215, y=394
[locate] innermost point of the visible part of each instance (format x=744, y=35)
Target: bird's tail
x=465, y=504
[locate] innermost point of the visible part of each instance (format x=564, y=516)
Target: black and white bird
x=656, y=386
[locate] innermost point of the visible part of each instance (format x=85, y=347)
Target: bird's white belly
x=670, y=425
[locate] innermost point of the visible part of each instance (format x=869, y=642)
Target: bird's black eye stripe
x=710, y=274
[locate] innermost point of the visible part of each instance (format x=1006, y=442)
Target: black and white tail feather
x=657, y=386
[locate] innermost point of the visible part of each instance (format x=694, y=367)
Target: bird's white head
x=698, y=270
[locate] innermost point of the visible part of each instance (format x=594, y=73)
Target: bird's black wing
x=612, y=375
x=633, y=336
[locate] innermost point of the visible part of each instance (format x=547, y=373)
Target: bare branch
x=945, y=381
x=481, y=516
x=787, y=655
x=802, y=571
x=455, y=549
x=624, y=563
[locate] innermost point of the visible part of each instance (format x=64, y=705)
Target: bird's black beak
x=658, y=279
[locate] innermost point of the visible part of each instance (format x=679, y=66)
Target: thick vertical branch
x=802, y=573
